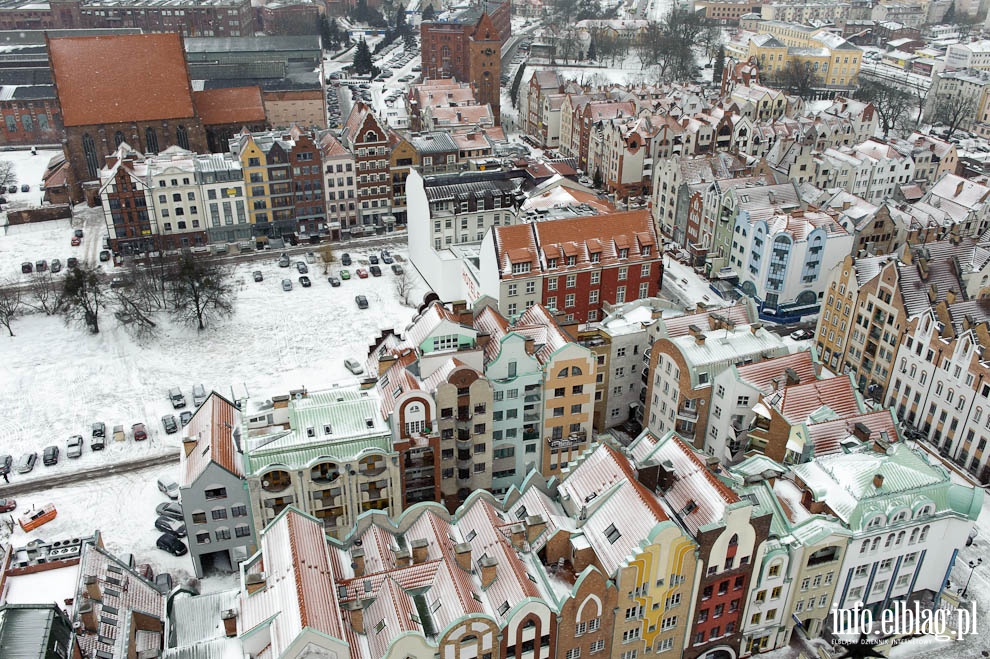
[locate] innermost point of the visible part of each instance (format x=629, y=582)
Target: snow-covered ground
x=30, y=170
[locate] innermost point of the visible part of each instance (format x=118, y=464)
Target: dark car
x=139, y=431
x=56, y=266
x=801, y=335
x=169, y=525
x=375, y=271
x=373, y=260
x=333, y=281
x=301, y=267
x=105, y=255
x=5, y=463
x=72, y=262
x=99, y=429
x=171, y=425
x=163, y=582
x=171, y=544
x=362, y=302
x=185, y=417
x=11, y=189
x=258, y=276
x=397, y=269
x=78, y=233
x=27, y=267
x=6, y=505
x=50, y=456
x=305, y=281
x=170, y=509
x=25, y=188
x=345, y=258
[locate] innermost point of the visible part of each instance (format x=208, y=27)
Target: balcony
x=463, y=413
x=463, y=435
x=530, y=434
x=687, y=413
x=531, y=417
x=420, y=483
x=531, y=398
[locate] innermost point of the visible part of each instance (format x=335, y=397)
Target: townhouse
x=688, y=353
x=956, y=205
x=726, y=201
x=366, y=137
x=340, y=184
x=572, y=265
x=224, y=196
x=265, y=162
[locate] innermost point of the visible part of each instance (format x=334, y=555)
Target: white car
x=168, y=487
x=353, y=366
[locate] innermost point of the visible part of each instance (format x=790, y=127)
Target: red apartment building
x=573, y=265
x=306, y=161
x=366, y=137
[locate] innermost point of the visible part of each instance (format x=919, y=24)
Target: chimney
x=489, y=570
x=462, y=552
x=484, y=338
x=357, y=561
x=255, y=581
x=355, y=613
x=923, y=268
x=959, y=187
x=229, y=618
x=535, y=525
x=385, y=362
x=93, y=588
x=878, y=481
x=950, y=296
x=188, y=444
x=280, y=402
x=402, y=558
x=699, y=337
x=775, y=383
x=420, y=549
x=792, y=377
x=755, y=327
x=932, y=293
x=667, y=476
x=861, y=431
x=518, y=532
x=530, y=345
x=87, y=614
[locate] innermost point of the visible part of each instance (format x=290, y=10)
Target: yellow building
x=255, y=178
x=832, y=59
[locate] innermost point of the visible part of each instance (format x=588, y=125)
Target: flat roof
x=54, y=585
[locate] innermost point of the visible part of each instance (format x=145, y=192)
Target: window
x=216, y=493
x=218, y=513
x=199, y=517
x=631, y=635
x=222, y=533
x=242, y=530
x=203, y=538
x=597, y=646
x=574, y=653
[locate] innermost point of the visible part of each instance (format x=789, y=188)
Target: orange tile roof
x=229, y=106
x=212, y=426
x=118, y=79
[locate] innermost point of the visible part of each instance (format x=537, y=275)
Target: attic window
x=612, y=534
x=476, y=596
x=369, y=422
x=596, y=257
x=367, y=585
x=689, y=508
x=327, y=429
x=571, y=260
x=435, y=606
x=624, y=253
x=396, y=392
x=380, y=626
x=415, y=618
x=311, y=431
x=503, y=608
x=551, y=263
x=470, y=536
x=520, y=512
x=520, y=268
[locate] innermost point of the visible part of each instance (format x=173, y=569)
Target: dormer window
x=647, y=250
x=596, y=257
x=520, y=268
x=624, y=253
x=551, y=263
x=571, y=260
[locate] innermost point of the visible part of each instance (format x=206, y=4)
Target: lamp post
x=972, y=568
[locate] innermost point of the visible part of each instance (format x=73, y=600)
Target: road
x=86, y=475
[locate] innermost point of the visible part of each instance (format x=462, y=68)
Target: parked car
x=333, y=281
x=375, y=271
x=168, y=487
x=11, y=189
x=118, y=433
x=27, y=267
x=286, y=285
x=185, y=417
x=258, y=276
x=170, y=509
x=373, y=260
x=78, y=233
x=387, y=258
x=140, y=432
x=97, y=443
x=345, y=258
x=801, y=335
x=163, y=582
x=397, y=269
x=310, y=257
x=354, y=366
x=99, y=429
x=41, y=266
x=56, y=266
x=171, y=425
x=178, y=400
x=74, y=446
x=75, y=241
x=283, y=261
x=5, y=463
x=50, y=456
x=305, y=281
x=345, y=274
x=169, y=525
x=362, y=302
x=362, y=273
x=199, y=395
x=72, y=262
x=25, y=188
x=301, y=267
x=26, y=463
x=104, y=255
x=171, y=544
x=6, y=505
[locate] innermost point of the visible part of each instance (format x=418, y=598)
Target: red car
x=76, y=241
x=6, y=505
x=140, y=432
x=362, y=273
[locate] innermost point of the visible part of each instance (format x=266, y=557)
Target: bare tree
x=84, y=296
x=11, y=306
x=201, y=291
x=45, y=293
x=798, y=79
x=136, y=302
x=953, y=112
x=8, y=173
x=328, y=256
x=891, y=103
x=404, y=285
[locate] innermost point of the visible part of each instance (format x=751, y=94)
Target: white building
x=973, y=55
x=222, y=191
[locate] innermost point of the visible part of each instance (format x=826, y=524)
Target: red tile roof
x=212, y=426
x=118, y=79
x=761, y=374
x=826, y=437
x=799, y=401
x=236, y=105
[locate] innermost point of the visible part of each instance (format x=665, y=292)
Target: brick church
x=134, y=89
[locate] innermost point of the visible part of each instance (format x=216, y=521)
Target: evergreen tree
x=429, y=13
x=325, y=35
x=718, y=66
x=362, y=58
x=592, y=51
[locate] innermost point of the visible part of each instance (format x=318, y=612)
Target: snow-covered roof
x=215, y=430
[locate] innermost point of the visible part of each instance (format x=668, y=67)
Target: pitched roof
x=214, y=427
x=229, y=106
x=761, y=374
x=122, y=78
x=799, y=402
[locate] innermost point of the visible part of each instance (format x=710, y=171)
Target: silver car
x=74, y=446
x=286, y=285
x=353, y=366
x=168, y=487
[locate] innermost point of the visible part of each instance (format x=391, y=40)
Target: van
x=199, y=395
x=118, y=434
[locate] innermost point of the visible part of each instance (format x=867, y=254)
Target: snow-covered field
x=30, y=169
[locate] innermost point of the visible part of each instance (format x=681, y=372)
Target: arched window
x=182, y=137
x=900, y=538
x=734, y=540
x=118, y=138
x=924, y=534
x=914, y=536
x=150, y=140
x=89, y=151
x=876, y=543
x=575, y=371
x=563, y=373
